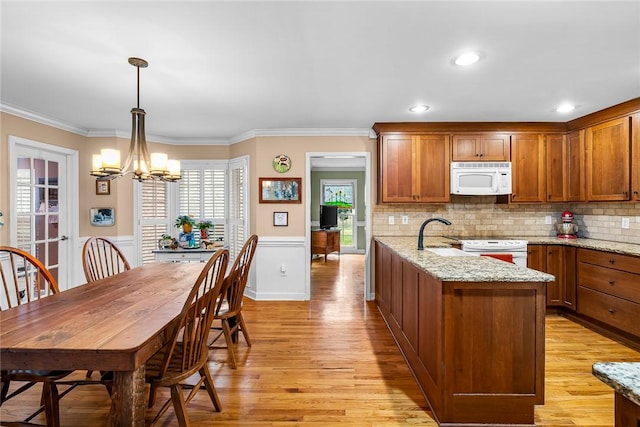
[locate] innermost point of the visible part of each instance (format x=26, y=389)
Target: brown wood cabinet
x=635, y=159
x=458, y=340
x=528, y=164
x=414, y=168
x=480, y=147
x=565, y=167
x=627, y=412
x=608, y=161
x=608, y=289
x=324, y=242
x=560, y=261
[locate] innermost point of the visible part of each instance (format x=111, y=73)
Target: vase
x=203, y=234
x=187, y=228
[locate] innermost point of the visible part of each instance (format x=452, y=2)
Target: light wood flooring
x=331, y=361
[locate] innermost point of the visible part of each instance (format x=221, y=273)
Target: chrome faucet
x=424, y=224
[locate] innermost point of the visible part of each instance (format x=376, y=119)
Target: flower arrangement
x=204, y=224
x=184, y=220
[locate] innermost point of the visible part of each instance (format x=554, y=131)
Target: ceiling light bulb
x=467, y=59
x=565, y=108
x=418, y=108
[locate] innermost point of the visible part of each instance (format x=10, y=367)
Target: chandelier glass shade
x=107, y=165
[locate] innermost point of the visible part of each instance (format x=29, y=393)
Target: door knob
x=64, y=238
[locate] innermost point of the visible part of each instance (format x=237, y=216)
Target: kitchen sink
x=449, y=252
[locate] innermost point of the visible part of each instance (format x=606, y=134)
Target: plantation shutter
x=238, y=209
x=154, y=216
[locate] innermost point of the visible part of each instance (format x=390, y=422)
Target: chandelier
x=106, y=165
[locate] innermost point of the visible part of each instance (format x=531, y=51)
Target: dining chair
x=26, y=279
x=102, y=258
x=186, y=352
x=229, y=308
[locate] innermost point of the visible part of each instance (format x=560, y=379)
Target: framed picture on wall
x=103, y=186
x=280, y=219
x=280, y=190
x=102, y=217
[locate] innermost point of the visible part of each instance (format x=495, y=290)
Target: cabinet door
x=555, y=266
x=635, y=151
x=536, y=257
x=465, y=148
x=555, y=150
x=575, y=182
x=527, y=156
x=480, y=147
x=608, y=161
x=432, y=168
x=396, y=166
x=570, y=277
x=495, y=147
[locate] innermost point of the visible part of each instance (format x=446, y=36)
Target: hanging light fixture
x=106, y=165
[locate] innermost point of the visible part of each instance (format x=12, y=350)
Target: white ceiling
x=219, y=71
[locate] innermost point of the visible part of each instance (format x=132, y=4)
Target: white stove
x=516, y=250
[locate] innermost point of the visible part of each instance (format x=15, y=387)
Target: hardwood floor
x=331, y=361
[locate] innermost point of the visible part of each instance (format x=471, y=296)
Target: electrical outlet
x=625, y=222
x=392, y=220
x=405, y=219
x=547, y=219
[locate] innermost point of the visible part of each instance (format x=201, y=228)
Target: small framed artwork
x=280, y=190
x=102, y=217
x=281, y=219
x=103, y=186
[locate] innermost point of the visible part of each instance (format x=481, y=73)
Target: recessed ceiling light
x=467, y=58
x=565, y=108
x=419, y=108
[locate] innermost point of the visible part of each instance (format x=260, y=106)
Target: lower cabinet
x=473, y=362
x=559, y=261
x=609, y=289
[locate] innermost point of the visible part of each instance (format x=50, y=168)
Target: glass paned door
x=40, y=210
x=342, y=193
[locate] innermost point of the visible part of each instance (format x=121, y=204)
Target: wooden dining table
x=115, y=324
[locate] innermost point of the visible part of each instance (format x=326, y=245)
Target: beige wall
x=296, y=147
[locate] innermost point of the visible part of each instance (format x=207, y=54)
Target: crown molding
x=115, y=133
x=39, y=118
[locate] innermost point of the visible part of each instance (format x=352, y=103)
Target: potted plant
x=186, y=222
x=165, y=240
x=204, y=225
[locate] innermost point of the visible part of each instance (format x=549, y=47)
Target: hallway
x=331, y=361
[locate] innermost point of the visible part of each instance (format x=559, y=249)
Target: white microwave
x=480, y=178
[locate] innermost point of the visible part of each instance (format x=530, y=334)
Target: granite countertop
x=460, y=268
x=600, y=245
x=623, y=377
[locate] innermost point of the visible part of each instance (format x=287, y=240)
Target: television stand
x=325, y=242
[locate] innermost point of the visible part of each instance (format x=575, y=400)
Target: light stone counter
x=460, y=268
x=623, y=377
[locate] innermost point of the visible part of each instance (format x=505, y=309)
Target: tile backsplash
x=480, y=216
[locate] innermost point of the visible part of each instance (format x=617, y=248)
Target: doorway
x=343, y=194
x=341, y=169
x=44, y=188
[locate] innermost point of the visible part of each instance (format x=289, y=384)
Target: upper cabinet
x=565, y=167
x=528, y=168
x=480, y=147
x=414, y=168
x=608, y=161
x=635, y=153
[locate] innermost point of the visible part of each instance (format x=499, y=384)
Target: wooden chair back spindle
x=102, y=258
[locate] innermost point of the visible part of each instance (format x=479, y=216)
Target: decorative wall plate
x=281, y=163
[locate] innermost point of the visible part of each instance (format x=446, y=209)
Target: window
x=341, y=193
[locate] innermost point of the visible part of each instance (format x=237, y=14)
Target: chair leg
x=4, y=390
x=51, y=404
x=243, y=328
x=152, y=396
x=179, y=406
x=229, y=339
x=211, y=389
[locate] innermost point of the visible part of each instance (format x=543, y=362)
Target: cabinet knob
x=636, y=193
x=477, y=154
x=612, y=311
x=612, y=261
x=481, y=154
x=612, y=282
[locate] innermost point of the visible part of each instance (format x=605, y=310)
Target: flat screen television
x=328, y=216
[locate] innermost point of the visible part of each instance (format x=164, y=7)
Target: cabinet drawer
x=611, y=260
x=614, y=282
x=617, y=312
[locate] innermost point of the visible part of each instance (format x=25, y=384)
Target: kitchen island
x=624, y=378
x=471, y=329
